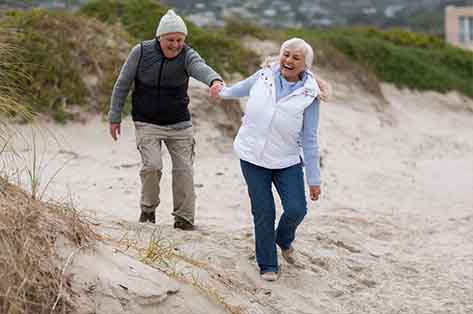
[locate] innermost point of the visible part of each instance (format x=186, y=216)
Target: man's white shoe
x=269, y=276
x=289, y=255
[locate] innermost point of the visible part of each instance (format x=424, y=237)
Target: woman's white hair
x=297, y=43
x=293, y=43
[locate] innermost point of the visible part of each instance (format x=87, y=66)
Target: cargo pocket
x=193, y=150
x=149, y=154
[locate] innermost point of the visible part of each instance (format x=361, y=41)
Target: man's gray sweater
x=147, y=66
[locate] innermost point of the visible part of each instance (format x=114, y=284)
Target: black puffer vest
x=160, y=93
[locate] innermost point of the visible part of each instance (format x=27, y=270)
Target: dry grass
x=31, y=271
x=154, y=248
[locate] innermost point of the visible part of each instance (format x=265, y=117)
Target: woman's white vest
x=271, y=132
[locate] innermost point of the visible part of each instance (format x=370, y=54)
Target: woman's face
x=292, y=63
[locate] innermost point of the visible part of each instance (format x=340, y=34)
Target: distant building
x=459, y=26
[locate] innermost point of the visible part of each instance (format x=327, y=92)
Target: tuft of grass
x=151, y=247
x=154, y=248
x=10, y=74
x=10, y=100
x=31, y=164
x=32, y=280
x=141, y=17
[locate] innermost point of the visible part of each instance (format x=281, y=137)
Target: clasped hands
x=215, y=89
x=325, y=89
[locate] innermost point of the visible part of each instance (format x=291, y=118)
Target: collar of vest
x=310, y=87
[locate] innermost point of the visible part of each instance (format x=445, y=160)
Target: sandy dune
x=393, y=232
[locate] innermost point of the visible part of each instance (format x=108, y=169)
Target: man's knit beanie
x=171, y=23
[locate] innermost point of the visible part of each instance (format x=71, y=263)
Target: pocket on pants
x=193, y=150
x=150, y=153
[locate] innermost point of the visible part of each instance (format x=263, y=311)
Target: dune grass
x=31, y=270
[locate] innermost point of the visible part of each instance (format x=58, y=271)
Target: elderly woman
x=281, y=115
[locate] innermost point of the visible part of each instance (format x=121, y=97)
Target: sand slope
x=393, y=232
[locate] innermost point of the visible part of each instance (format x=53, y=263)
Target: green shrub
x=404, y=58
x=238, y=28
x=397, y=36
x=46, y=57
x=141, y=17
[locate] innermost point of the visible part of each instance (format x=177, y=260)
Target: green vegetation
x=67, y=63
x=9, y=96
x=237, y=28
x=141, y=17
x=66, y=60
x=31, y=269
x=404, y=58
x=46, y=57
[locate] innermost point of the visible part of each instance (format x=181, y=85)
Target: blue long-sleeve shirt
x=310, y=123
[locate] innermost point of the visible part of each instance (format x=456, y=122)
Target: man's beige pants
x=180, y=144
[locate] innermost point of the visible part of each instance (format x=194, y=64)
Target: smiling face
x=292, y=63
x=172, y=44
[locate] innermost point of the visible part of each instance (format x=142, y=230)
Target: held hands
x=314, y=192
x=115, y=130
x=215, y=89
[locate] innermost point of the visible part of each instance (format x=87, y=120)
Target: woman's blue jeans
x=289, y=183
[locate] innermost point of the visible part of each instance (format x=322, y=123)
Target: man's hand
x=314, y=192
x=215, y=89
x=115, y=130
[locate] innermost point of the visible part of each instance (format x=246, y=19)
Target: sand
x=392, y=233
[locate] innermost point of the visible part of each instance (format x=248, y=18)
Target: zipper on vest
x=297, y=92
x=159, y=78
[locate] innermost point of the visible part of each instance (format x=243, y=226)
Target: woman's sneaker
x=289, y=255
x=270, y=276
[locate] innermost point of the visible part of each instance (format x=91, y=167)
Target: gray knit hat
x=171, y=23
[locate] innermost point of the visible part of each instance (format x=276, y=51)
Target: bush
x=238, y=28
x=402, y=37
x=141, y=17
x=404, y=58
x=67, y=60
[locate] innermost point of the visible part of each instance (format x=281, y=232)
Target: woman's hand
x=115, y=130
x=325, y=90
x=314, y=192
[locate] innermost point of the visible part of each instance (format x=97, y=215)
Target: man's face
x=172, y=44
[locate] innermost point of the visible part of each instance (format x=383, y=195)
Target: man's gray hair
x=297, y=43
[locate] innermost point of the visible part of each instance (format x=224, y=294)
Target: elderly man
x=160, y=69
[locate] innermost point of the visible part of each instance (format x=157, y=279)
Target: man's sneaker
x=148, y=216
x=183, y=225
x=270, y=276
x=289, y=255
